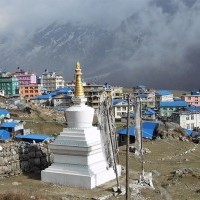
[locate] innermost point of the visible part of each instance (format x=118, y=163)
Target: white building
x=146, y=95
x=52, y=81
x=163, y=96
x=187, y=119
x=2, y=93
x=120, y=107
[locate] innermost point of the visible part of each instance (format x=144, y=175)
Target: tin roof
x=35, y=137
x=9, y=124
x=4, y=112
x=148, y=129
x=173, y=104
x=163, y=92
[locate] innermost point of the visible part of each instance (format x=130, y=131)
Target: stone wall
x=23, y=157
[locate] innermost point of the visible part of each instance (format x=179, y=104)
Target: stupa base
x=77, y=179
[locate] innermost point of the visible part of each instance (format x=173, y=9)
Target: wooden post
x=127, y=150
x=112, y=145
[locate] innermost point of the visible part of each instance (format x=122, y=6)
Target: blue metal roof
x=4, y=112
x=116, y=101
x=149, y=112
x=142, y=95
x=140, y=87
x=43, y=96
x=148, y=129
x=195, y=93
x=52, y=94
x=35, y=137
x=177, y=99
x=173, y=104
x=67, y=96
x=106, y=85
x=4, y=135
x=163, y=92
x=193, y=108
x=187, y=131
x=43, y=88
x=9, y=124
x=65, y=89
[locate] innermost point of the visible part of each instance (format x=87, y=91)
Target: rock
x=155, y=173
x=64, y=198
x=146, y=150
x=16, y=183
x=108, y=196
x=147, y=179
x=123, y=190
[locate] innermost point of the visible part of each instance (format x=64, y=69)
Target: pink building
x=25, y=78
x=192, y=99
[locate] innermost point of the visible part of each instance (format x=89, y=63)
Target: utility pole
x=127, y=150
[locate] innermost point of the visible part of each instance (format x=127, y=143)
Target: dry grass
x=165, y=158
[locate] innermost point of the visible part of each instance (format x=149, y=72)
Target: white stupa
x=79, y=160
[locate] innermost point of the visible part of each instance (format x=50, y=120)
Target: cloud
x=155, y=42
x=32, y=14
x=158, y=46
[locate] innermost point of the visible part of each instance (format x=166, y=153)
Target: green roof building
x=9, y=83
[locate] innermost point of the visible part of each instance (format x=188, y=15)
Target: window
x=124, y=108
x=192, y=126
x=188, y=126
x=192, y=117
x=123, y=138
x=118, y=114
x=187, y=117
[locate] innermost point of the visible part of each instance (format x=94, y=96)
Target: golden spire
x=79, y=91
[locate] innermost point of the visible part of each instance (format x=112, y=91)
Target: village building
x=52, y=81
x=9, y=84
x=62, y=101
x=193, y=98
x=163, y=96
x=13, y=127
x=149, y=114
x=94, y=93
x=59, y=98
x=29, y=91
x=117, y=92
x=168, y=107
x=147, y=96
x=41, y=100
x=188, y=118
x=120, y=108
x=25, y=78
x=148, y=132
x=4, y=114
x=2, y=93
x=4, y=135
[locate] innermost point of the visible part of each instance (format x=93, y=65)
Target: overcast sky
x=168, y=32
